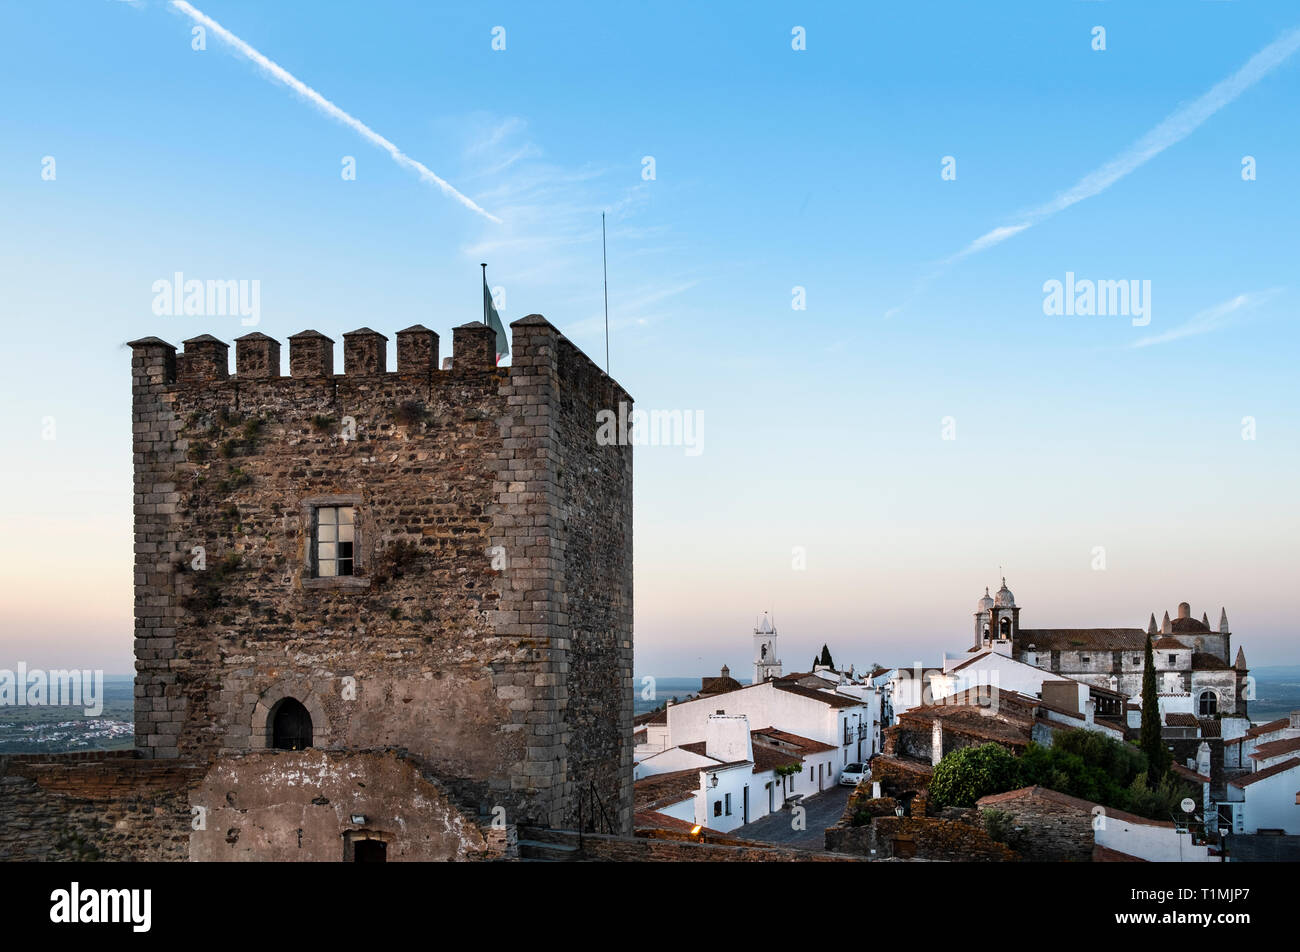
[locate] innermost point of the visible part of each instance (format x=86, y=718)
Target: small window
x=727, y=798
x=1173, y=659
x=335, y=533
x=1085, y=659
x=717, y=808
x=1209, y=704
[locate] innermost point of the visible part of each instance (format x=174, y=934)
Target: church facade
x=1196, y=672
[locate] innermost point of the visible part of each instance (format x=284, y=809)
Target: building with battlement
x=377, y=612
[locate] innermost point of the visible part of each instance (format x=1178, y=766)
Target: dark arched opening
x=1005, y=628
x=289, y=725
x=1209, y=704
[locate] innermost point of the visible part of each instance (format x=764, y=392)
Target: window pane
x=326, y=570
x=345, y=533
x=327, y=515
x=327, y=550
x=345, y=515
x=326, y=533
x=345, y=566
x=345, y=550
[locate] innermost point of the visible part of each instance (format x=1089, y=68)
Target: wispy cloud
x=1181, y=123
x=279, y=73
x=1212, y=318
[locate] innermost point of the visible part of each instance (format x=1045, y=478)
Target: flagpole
x=604, y=264
x=483, y=265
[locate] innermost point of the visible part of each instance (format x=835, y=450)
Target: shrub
x=965, y=775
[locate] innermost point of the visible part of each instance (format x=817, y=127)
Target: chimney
x=726, y=738
x=1151, y=628
x=311, y=354
x=365, y=352
x=204, y=359
x=1203, y=759
x=1223, y=621
x=473, y=347
x=726, y=672
x=936, y=741
x=1184, y=610
x=1293, y=720
x=1166, y=626
x=257, y=356
x=417, y=350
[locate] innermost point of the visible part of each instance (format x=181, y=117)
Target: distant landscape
x=25, y=730
x=54, y=730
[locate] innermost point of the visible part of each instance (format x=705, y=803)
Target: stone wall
x=313, y=805
x=659, y=849
x=97, y=806
x=487, y=627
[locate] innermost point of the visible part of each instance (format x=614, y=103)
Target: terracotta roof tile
x=1267, y=772
x=1277, y=725
x=804, y=744
x=661, y=790
x=1073, y=639
x=1276, y=747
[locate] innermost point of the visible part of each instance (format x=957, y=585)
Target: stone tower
x=766, y=663
x=436, y=562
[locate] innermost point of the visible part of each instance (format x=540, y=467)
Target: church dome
x=985, y=603
x=1005, y=599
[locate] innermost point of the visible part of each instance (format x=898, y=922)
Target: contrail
x=302, y=89
x=1181, y=123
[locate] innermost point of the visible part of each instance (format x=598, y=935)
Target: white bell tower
x=766, y=663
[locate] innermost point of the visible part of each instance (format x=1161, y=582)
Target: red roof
x=1277, y=725
x=1275, y=747
x=1267, y=772
x=805, y=745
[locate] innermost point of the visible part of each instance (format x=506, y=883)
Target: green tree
x=967, y=774
x=1151, y=743
x=826, y=657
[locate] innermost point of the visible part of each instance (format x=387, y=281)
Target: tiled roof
x=1267, y=772
x=1276, y=747
x=1189, y=774
x=1169, y=642
x=1270, y=727
x=654, y=717
x=1210, y=727
x=1177, y=719
x=769, y=758
x=661, y=790
x=834, y=700
x=1203, y=661
x=719, y=685
x=805, y=745
x=1189, y=624
x=1072, y=639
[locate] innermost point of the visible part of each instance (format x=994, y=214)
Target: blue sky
x=774, y=169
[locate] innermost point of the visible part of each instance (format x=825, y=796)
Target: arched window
x=1209, y=704
x=289, y=725
x=1004, y=629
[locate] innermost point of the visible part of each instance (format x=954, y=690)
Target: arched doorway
x=288, y=726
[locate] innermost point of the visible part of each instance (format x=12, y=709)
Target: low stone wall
x=661, y=849
x=899, y=776
x=94, y=806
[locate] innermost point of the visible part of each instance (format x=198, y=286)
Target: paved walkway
x=823, y=810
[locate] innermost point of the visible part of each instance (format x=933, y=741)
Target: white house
x=1265, y=800
x=848, y=724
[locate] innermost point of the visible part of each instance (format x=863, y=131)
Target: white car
x=854, y=774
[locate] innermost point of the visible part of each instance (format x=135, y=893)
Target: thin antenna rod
x=483, y=265
x=604, y=263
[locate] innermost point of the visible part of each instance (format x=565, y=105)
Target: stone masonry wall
x=100, y=806
x=493, y=536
